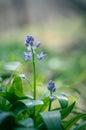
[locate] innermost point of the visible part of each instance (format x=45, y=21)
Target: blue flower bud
x=41, y=56
x=29, y=41
x=28, y=56
x=51, y=86
x=38, y=44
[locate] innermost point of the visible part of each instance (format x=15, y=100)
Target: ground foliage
x=20, y=111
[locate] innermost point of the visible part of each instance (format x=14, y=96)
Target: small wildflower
x=28, y=56
x=32, y=49
x=51, y=86
x=29, y=41
x=22, y=76
x=38, y=44
x=41, y=56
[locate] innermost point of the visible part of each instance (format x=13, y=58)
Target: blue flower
x=51, y=86
x=29, y=41
x=38, y=44
x=28, y=55
x=31, y=47
x=40, y=56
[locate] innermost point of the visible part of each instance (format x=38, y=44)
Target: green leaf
x=4, y=104
x=45, y=98
x=52, y=120
x=16, y=87
x=66, y=111
x=73, y=121
x=6, y=121
x=63, y=100
x=28, y=122
x=18, y=108
x=9, y=96
x=80, y=126
x=29, y=102
x=24, y=104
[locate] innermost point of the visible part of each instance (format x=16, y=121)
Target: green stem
x=34, y=80
x=49, y=106
x=50, y=102
x=34, y=74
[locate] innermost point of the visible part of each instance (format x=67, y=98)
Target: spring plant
x=50, y=111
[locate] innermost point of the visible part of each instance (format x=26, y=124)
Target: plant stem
x=49, y=106
x=34, y=80
x=34, y=74
x=50, y=102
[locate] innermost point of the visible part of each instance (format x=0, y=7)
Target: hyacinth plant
x=30, y=55
x=19, y=111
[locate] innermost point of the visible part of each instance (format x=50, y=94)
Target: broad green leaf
x=18, y=107
x=29, y=102
x=9, y=96
x=80, y=126
x=10, y=89
x=27, y=97
x=63, y=100
x=66, y=111
x=16, y=87
x=4, y=104
x=73, y=121
x=24, y=104
x=52, y=120
x=12, y=98
x=28, y=122
x=41, y=108
x=6, y=119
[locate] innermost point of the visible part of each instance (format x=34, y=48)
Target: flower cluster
x=51, y=87
x=29, y=41
x=31, y=47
